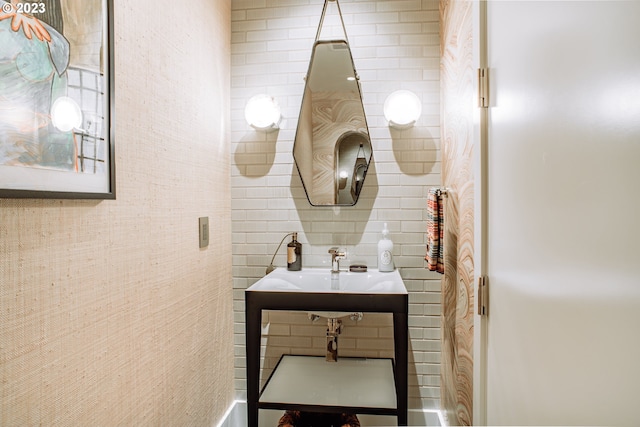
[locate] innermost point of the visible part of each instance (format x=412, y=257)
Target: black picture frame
x=54, y=62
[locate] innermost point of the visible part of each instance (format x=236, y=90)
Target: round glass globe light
x=402, y=108
x=262, y=112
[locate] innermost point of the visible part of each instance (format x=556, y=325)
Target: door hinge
x=483, y=87
x=483, y=296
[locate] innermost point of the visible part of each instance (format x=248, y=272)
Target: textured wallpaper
x=110, y=314
x=457, y=76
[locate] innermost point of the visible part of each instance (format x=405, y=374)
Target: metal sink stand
x=396, y=303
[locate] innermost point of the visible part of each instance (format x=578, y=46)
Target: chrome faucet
x=336, y=256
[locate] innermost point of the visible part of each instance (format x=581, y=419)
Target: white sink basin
x=323, y=281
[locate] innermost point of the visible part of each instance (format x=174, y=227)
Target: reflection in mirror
x=332, y=147
x=351, y=163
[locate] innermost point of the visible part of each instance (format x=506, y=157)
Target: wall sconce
x=342, y=180
x=66, y=114
x=263, y=113
x=402, y=109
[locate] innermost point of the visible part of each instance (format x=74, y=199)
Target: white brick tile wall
x=395, y=45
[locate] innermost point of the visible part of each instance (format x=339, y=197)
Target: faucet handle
x=336, y=252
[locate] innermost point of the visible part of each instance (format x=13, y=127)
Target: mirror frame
x=364, y=116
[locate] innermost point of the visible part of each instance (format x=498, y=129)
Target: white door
x=563, y=214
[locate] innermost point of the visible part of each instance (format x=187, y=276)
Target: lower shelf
x=310, y=381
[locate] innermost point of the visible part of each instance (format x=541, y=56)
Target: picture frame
x=57, y=114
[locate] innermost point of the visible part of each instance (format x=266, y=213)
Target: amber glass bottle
x=294, y=254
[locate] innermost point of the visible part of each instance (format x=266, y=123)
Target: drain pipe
x=334, y=327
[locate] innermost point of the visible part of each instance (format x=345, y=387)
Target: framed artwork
x=57, y=99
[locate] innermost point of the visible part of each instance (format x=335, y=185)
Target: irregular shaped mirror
x=332, y=147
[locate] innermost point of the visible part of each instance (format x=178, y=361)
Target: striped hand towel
x=435, y=231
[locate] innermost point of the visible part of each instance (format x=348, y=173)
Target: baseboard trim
x=236, y=416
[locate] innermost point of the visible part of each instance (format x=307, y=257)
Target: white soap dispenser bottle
x=385, y=251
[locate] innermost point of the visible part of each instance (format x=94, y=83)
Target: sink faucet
x=336, y=256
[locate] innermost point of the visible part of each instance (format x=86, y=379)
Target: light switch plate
x=203, y=225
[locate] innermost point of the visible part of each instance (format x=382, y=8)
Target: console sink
x=320, y=280
x=318, y=290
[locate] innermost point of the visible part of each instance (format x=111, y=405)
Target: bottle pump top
x=385, y=231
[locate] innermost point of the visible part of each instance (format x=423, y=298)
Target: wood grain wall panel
x=334, y=114
x=457, y=174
